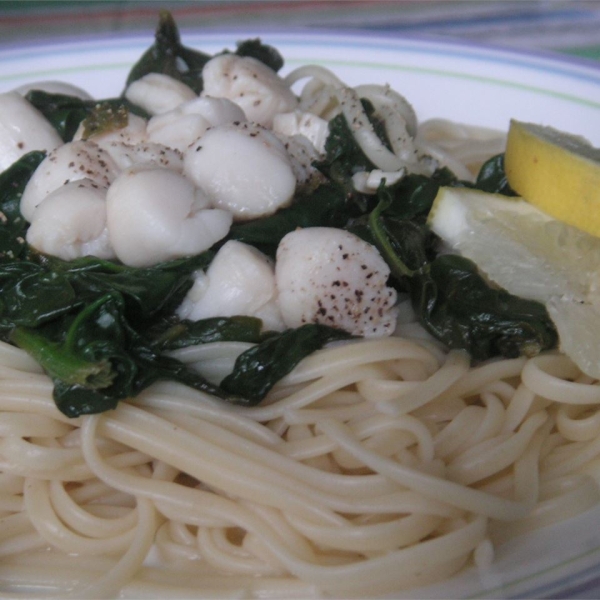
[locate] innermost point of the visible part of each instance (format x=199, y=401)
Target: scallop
x=71, y=222
x=239, y=281
x=23, y=129
x=70, y=162
x=251, y=84
x=155, y=214
x=242, y=168
x=330, y=276
x=182, y=126
x=157, y=93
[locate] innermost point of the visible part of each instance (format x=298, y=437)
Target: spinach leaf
x=492, y=177
x=56, y=350
x=413, y=196
x=64, y=112
x=31, y=296
x=458, y=307
x=258, y=369
x=264, y=53
x=147, y=291
x=396, y=229
x=13, y=227
x=401, y=242
x=171, y=335
x=95, y=358
x=86, y=323
x=170, y=57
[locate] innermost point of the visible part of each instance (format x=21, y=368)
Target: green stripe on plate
x=64, y=70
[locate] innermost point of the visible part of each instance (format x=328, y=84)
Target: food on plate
x=267, y=334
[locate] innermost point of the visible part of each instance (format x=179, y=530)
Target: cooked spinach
x=492, y=177
x=401, y=242
x=13, y=226
x=170, y=57
x=458, y=307
x=102, y=331
x=63, y=111
x=85, y=322
x=254, y=48
x=31, y=296
x=147, y=291
x=413, y=196
x=396, y=223
x=173, y=334
x=256, y=371
x=96, y=358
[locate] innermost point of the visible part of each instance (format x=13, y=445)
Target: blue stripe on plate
x=573, y=67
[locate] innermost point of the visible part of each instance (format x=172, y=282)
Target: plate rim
x=325, y=36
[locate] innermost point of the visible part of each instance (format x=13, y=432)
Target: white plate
x=473, y=84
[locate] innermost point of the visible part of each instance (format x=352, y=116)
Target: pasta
x=375, y=465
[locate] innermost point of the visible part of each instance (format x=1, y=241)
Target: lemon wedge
x=517, y=245
x=532, y=255
x=557, y=172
